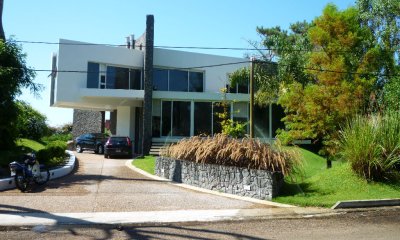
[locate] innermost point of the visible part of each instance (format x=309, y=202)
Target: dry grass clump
x=224, y=150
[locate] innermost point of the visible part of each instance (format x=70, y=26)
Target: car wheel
x=100, y=149
x=79, y=148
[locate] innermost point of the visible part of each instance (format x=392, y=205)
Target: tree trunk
x=2, y=35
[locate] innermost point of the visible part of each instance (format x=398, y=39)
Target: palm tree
x=2, y=36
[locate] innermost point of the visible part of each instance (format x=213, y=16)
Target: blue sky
x=205, y=23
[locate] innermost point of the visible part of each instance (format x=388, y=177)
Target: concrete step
x=157, y=147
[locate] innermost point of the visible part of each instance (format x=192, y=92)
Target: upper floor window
x=112, y=77
x=177, y=80
x=239, y=88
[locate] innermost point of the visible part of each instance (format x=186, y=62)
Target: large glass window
x=241, y=112
x=202, y=118
x=112, y=77
x=160, y=79
x=218, y=108
x=117, y=78
x=195, y=82
x=93, y=75
x=156, y=118
x=181, y=119
x=277, y=114
x=135, y=79
x=178, y=80
x=239, y=88
x=166, y=118
x=121, y=78
x=261, y=121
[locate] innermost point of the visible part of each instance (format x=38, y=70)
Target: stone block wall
x=87, y=122
x=260, y=184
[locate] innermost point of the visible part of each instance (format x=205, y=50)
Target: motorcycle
x=29, y=172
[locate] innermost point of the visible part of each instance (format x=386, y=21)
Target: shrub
x=224, y=150
x=53, y=154
x=57, y=137
x=372, y=145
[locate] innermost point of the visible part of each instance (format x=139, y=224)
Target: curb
x=14, y=219
x=9, y=183
x=203, y=190
x=367, y=203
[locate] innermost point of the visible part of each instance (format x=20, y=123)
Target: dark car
x=91, y=141
x=118, y=146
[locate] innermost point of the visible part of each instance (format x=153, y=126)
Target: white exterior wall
x=124, y=121
x=71, y=86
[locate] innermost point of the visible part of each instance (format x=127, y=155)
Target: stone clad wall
x=85, y=121
x=260, y=184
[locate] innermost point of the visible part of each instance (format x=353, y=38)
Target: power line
x=219, y=65
x=181, y=47
x=83, y=71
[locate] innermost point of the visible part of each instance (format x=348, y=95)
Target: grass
x=147, y=163
x=29, y=144
x=316, y=185
x=323, y=187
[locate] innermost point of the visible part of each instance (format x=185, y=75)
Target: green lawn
x=147, y=163
x=29, y=145
x=324, y=187
x=316, y=185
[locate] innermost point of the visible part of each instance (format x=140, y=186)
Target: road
x=380, y=223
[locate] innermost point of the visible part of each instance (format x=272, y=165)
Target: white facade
x=72, y=91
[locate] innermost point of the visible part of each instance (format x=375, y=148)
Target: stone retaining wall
x=260, y=184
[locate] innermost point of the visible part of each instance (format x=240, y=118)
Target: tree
x=2, y=35
x=30, y=123
x=14, y=75
x=343, y=56
x=383, y=18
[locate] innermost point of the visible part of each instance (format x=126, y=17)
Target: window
x=217, y=109
x=156, y=118
x=175, y=118
x=261, y=121
x=277, y=113
x=166, y=118
x=110, y=77
x=160, y=79
x=195, y=82
x=202, y=118
x=135, y=79
x=241, y=112
x=93, y=75
x=181, y=119
x=178, y=80
x=240, y=88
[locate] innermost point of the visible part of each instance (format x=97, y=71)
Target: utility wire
x=216, y=65
x=181, y=47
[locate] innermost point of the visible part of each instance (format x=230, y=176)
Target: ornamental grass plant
x=224, y=150
x=371, y=144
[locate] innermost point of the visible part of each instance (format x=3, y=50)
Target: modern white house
x=154, y=94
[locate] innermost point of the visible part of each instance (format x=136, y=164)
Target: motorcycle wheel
x=21, y=182
x=43, y=177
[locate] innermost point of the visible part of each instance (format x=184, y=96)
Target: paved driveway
x=107, y=185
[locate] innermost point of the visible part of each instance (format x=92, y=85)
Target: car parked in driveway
x=91, y=141
x=118, y=146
